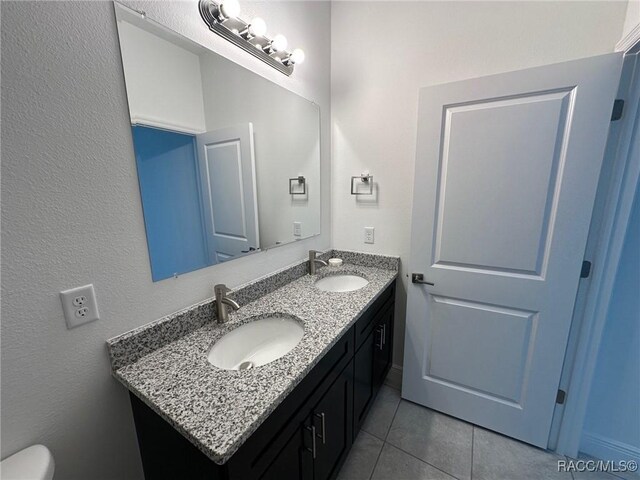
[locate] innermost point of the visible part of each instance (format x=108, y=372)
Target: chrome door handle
x=312, y=429
x=380, y=330
x=419, y=278
x=384, y=334
x=323, y=428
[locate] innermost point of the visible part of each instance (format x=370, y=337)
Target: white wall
x=164, y=86
x=377, y=67
x=632, y=17
x=71, y=215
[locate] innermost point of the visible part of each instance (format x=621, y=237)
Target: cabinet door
x=295, y=460
x=259, y=451
x=332, y=419
x=363, y=392
x=383, y=346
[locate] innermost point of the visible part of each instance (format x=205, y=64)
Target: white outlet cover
x=297, y=229
x=368, y=235
x=79, y=306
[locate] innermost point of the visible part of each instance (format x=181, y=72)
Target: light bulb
x=279, y=43
x=230, y=8
x=297, y=56
x=257, y=27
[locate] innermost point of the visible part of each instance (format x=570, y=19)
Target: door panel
x=522, y=139
x=506, y=174
x=227, y=170
x=492, y=343
x=224, y=162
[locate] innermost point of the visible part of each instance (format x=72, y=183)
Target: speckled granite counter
x=217, y=410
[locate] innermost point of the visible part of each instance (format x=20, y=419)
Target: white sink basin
x=341, y=283
x=256, y=343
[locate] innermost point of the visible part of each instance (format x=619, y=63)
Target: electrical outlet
x=297, y=229
x=79, y=305
x=79, y=301
x=368, y=234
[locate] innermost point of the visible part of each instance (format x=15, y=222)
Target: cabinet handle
x=384, y=334
x=381, y=343
x=312, y=429
x=324, y=432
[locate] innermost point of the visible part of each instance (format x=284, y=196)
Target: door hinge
x=586, y=269
x=618, y=108
x=561, y=396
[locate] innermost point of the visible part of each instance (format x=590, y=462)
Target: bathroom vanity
x=295, y=417
x=278, y=387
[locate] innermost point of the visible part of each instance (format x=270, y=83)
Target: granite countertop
x=217, y=410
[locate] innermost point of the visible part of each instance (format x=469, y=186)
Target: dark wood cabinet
x=372, y=360
x=332, y=422
x=294, y=460
x=320, y=444
x=309, y=434
x=383, y=346
x=363, y=391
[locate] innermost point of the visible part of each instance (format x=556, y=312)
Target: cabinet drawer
x=365, y=324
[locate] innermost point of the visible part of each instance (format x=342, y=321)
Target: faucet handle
x=221, y=289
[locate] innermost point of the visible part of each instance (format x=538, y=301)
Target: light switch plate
x=368, y=234
x=297, y=229
x=79, y=306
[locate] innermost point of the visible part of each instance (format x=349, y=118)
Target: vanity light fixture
x=227, y=10
x=222, y=17
x=256, y=28
x=296, y=57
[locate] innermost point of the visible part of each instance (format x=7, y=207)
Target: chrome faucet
x=313, y=260
x=222, y=301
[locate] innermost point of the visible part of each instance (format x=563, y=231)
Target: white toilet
x=32, y=463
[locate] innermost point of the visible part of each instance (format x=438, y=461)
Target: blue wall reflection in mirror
x=169, y=186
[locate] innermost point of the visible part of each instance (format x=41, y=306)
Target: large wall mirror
x=228, y=162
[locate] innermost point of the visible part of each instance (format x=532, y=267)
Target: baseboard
x=394, y=377
x=608, y=449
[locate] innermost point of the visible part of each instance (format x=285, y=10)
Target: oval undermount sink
x=341, y=283
x=256, y=343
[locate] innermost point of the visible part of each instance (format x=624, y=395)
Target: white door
x=505, y=179
x=228, y=175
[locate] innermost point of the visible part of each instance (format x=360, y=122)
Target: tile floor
x=404, y=441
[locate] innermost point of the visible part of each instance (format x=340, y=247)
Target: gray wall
x=71, y=215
